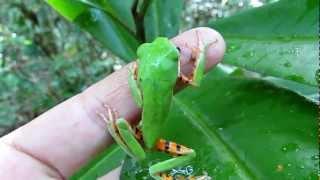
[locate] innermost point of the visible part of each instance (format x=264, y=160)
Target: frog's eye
x=179, y=49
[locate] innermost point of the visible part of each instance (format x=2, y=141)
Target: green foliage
x=243, y=125
x=96, y=19
x=275, y=44
x=254, y=118
x=102, y=164
x=121, y=31
x=43, y=60
x=162, y=18
x=241, y=130
x=245, y=113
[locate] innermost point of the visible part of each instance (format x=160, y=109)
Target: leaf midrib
x=226, y=153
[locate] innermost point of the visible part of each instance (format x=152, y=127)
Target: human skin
x=61, y=140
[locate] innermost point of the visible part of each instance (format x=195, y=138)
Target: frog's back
x=157, y=74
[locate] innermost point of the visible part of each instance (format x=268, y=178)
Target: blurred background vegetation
x=44, y=59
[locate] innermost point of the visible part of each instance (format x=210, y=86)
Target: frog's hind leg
x=123, y=134
x=182, y=156
x=130, y=140
x=164, y=176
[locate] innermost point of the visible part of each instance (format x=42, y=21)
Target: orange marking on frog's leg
x=138, y=134
x=165, y=176
x=172, y=148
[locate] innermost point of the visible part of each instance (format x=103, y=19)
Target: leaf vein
x=225, y=153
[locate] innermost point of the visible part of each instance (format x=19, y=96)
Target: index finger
x=65, y=137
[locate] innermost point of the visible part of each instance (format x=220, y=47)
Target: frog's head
x=161, y=48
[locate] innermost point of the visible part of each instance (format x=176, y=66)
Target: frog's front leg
x=198, y=56
x=134, y=86
x=123, y=134
x=182, y=156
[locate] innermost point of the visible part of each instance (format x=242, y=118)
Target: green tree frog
x=152, y=81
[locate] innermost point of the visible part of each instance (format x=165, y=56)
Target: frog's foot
x=164, y=176
x=204, y=177
x=123, y=134
x=184, y=78
x=198, y=57
x=181, y=156
x=109, y=118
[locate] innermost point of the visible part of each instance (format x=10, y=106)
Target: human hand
x=58, y=142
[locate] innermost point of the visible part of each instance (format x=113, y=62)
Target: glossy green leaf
x=109, y=32
x=100, y=165
x=120, y=10
x=278, y=40
x=309, y=92
x=162, y=18
x=69, y=9
x=101, y=25
x=242, y=129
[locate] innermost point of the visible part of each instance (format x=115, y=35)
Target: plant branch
x=138, y=15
